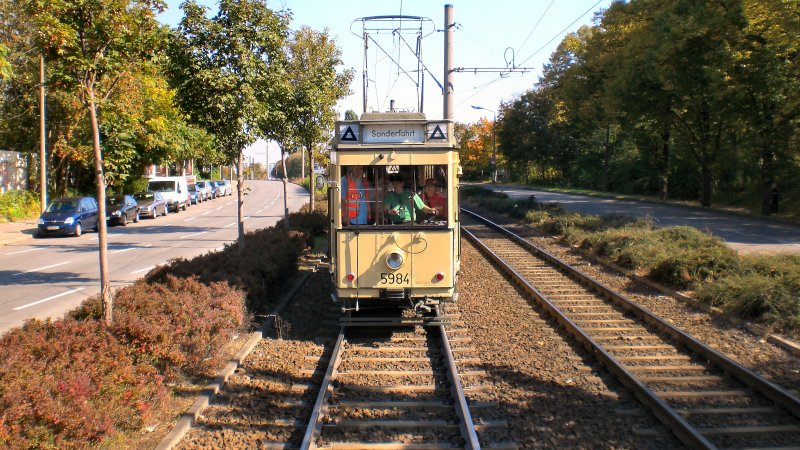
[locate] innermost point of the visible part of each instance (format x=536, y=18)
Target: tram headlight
x=395, y=260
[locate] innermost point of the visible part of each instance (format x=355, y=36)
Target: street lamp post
x=494, y=141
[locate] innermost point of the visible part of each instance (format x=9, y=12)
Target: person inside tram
x=435, y=199
x=401, y=205
x=356, y=202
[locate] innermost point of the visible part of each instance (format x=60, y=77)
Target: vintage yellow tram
x=393, y=202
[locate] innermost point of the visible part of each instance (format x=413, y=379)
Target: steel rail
x=682, y=429
x=457, y=390
x=765, y=387
x=314, y=428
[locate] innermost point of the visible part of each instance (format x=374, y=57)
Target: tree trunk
x=240, y=202
x=766, y=174
x=311, y=177
x=285, y=199
x=663, y=174
x=705, y=180
x=100, y=183
x=606, y=158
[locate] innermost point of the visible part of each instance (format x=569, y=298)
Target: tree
x=93, y=44
x=350, y=115
x=475, y=147
x=5, y=66
x=316, y=87
x=225, y=71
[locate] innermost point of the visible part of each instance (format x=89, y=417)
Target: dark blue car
x=68, y=216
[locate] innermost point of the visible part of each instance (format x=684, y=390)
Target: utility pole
x=449, y=26
x=42, y=137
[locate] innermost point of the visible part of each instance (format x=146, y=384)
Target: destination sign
x=384, y=134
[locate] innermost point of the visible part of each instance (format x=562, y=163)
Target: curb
x=188, y=418
x=15, y=240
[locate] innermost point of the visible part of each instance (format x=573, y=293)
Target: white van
x=174, y=189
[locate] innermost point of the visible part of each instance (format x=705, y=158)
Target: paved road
x=744, y=234
x=48, y=277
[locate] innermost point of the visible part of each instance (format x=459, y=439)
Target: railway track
x=706, y=399
x=399, y=388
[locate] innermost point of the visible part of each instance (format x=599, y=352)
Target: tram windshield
x=391, y=196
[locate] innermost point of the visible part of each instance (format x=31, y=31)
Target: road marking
x=245, y=218
x=207, y=212
x=49, y=298
x=219, y=249
x=143, y=270
x=259, y=211
x=190, y=218
x=195, y=234
x=42, y=268
x=107, y=235
x=25, y=251
x=229, y=225
x=219, y=208
x=130, y=248
x=226, y=204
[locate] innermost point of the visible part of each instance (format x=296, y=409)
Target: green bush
x=695, y=266
x=766, y=299
x=69, y=384
x=766, y=289
x=16, y=205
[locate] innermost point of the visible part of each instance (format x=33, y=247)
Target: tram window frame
x=379, y=185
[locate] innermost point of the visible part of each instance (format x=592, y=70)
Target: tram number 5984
x=395, y=278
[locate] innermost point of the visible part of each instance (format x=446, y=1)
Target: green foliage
x=226, y=88
x=16, y=205
x=229, y=71
x=766, y=289
x=763, y=288
x=656, y=89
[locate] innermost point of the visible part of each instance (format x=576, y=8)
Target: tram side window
x=394, y=195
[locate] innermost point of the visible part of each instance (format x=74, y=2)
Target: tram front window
x=394, y=195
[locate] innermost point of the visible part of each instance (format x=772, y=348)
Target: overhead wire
x=561, y=32
x=536, y=25
x=480, y=88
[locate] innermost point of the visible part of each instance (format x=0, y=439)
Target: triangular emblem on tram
x=349, y=135
x=437, y=134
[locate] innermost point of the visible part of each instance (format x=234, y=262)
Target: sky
x=520, y=33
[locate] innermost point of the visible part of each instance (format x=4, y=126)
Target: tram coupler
x=425, y=305
x=346, y=309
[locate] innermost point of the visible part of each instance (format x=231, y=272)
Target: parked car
x=225, y=187
x=68, y=215
x=174, y=190
x=214, y=189
x=151, y=204
x=120, y=209
x=196, y=193
x=205, y=186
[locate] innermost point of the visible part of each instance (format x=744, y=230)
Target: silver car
x=225, y=188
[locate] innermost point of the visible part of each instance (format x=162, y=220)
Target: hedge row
x=765, y=289
x=76, y=383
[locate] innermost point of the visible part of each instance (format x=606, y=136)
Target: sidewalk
x=16, y=232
